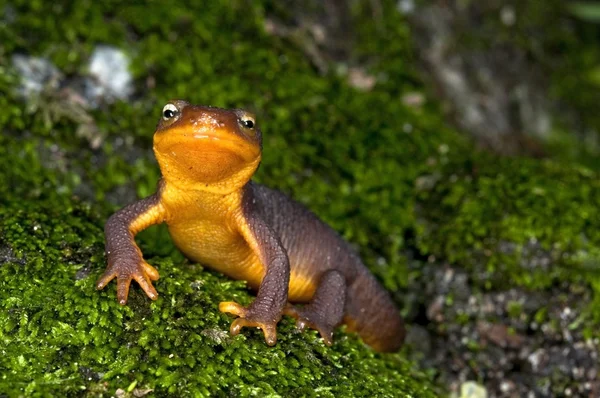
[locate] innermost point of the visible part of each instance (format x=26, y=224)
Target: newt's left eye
x=247, y=122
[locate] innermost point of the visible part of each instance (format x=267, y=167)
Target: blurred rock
x=406, y=6
x=515, y=342
x=37, y=74
x=494, y=92
x=9, y=14
x=109, y=78
x=470, y=389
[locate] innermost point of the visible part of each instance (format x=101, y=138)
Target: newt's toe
x=305, y=317
x=123, y=290
x=269, y=330
x=141, y=272
x=231, y=307
x=324, y=329
x=247, y=319
x=104, y=279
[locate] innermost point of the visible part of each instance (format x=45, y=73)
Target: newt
x=220, y=218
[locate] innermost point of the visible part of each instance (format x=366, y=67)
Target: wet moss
x=533, y=221
x=391, y=178
x=59, y=334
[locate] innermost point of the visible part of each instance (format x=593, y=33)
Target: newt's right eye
x=169, y=112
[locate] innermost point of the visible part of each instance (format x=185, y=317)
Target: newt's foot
x=126, y=271
x=249, y=317
x=306, y=316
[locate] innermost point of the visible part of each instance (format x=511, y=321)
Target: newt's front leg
x=125, y=261
x=266, y=310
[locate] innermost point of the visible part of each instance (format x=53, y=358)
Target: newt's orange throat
x=218, y=217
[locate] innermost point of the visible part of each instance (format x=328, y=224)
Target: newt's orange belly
x=226, y=251
x=219, y=248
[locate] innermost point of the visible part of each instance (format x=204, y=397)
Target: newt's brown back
x=313, y=248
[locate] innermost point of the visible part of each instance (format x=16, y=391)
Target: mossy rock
x=392, y=178
x=62, y=337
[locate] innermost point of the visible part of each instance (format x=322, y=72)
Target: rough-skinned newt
x=218, y=217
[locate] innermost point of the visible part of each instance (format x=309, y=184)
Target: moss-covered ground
x=389, y=176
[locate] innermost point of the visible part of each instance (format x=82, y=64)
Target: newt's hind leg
x=326, y=309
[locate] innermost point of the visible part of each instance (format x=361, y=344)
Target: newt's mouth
x=184, y=142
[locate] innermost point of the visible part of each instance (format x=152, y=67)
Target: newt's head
x=201, y=147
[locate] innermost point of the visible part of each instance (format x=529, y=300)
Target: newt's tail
x=371, y=313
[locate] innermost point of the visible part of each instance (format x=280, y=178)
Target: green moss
x=389, y=177
x=60, y=335
x=514, y=308
x=518, y=216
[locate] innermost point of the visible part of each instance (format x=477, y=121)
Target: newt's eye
x=170, y=111
x=247, y=122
